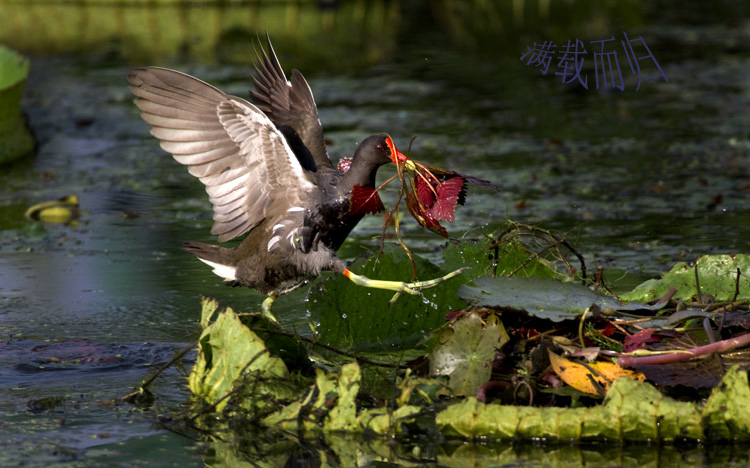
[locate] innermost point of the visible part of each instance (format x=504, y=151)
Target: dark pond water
x=637, y=180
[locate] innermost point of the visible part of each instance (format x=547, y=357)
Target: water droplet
x=343, y=316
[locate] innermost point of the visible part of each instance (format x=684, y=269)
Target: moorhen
x=267, y=174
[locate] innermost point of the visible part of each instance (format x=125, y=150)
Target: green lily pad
x=541, y=297
x=345, y=315
x=15, y=138
x=717, y=275
x=466, y=352
x=350, y=316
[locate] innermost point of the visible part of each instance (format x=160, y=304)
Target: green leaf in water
x=541, y=297
x=350, y=316
x=717, y=275
x=467, y=351
x=345, y=315
x=228, y=353
x=15, y=138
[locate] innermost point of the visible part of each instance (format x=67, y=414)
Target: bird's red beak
x=397, y=156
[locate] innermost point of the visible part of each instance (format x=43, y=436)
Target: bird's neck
x=361, y=173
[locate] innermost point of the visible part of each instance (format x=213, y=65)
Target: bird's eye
x=379, y=147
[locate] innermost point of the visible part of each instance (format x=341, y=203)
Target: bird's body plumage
x=266, y=171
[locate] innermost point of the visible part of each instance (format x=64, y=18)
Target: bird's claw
x=416, y=287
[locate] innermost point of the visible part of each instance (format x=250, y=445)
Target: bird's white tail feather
x=224, y=271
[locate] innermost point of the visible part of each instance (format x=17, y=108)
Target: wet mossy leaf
x=632, y=411
x=726, y=416
x=228, y=351
x=466, y=352
x=717, y=275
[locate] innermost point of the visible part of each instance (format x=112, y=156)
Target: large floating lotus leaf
x=545, y=298
x=15, y=138
x=717, y=275
x=346, y=315
x=228, y=352
x=350, y=316
x=466, y=352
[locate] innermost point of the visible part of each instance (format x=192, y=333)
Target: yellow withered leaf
x=594, y=378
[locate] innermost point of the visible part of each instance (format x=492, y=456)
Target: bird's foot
x=266, y=308
x=400, y=287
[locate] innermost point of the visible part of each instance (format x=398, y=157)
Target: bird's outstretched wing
x=229, y=144
x=289, y=103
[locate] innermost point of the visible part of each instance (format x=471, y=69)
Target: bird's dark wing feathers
x=289, y=103
x=229, y=144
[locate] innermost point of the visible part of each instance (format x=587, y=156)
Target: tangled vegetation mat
x=518, y=349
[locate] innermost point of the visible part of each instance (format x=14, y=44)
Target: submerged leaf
x=467, y=351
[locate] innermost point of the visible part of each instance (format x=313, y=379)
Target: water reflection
x=155, y=33
x=632, y=178
x=351, y=451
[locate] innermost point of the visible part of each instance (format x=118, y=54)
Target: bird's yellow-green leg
x=266, y=307
x=399, y=286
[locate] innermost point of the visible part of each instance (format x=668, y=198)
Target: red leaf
x=609, y=330
x=451, y=315
x=639, y=340
x=425, y=193
x=447, y=199
x=423, y=217
x=365, y=200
